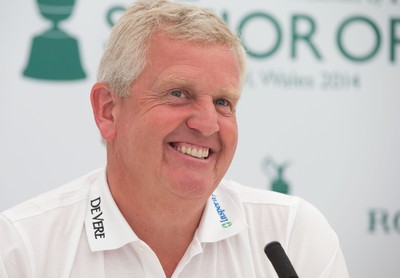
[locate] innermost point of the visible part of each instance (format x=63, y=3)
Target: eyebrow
x=233, y=95
x=230, y=93
x=179, y=80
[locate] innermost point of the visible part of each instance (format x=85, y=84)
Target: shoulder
x=59, y=199
x=299, y=226
x=259, y=197
x=281, y=216
x=58, y=212
x=46, y=227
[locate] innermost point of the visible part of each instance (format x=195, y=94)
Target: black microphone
x=280, y=260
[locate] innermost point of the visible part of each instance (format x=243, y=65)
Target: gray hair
x=125, y=55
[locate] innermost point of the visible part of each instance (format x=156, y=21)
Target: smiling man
x=165, y=102
x=170, y=142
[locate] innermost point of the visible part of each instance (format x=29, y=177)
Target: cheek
x=130, y=133
x=149, y=131
x=229, y=135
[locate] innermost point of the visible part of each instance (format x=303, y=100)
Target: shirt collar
x=107, y=229
x=223, y=216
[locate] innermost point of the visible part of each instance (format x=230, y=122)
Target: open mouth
x=191, y=150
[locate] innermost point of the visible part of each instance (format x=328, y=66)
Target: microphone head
x=280, y=260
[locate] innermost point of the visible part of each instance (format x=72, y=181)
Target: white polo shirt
x=78, y=231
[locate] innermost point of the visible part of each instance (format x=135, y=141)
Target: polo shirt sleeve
x=314, y=246
x=14, y=262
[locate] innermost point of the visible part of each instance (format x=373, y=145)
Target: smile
x=194, y=151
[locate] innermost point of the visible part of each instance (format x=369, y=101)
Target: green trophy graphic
x=54, y=54
x=278, y=184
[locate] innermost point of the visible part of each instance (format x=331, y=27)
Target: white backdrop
x=323, y=102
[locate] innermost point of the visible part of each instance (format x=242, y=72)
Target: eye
x=221, y=102
x=177, y=93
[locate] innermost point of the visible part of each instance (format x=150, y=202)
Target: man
x=169, y=83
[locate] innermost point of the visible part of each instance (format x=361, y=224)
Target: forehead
x=184, y=62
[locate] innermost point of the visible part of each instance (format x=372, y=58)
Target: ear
x=103, y=106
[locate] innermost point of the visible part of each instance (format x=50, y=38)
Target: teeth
x=193, y=152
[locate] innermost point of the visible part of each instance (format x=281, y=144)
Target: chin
x=193, y=188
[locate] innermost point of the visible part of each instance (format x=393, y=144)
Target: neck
x=167, y=225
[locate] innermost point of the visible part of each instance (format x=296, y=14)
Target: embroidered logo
x=97, y=220
x=223, y=219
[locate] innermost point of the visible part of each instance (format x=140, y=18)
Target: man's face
x=176, y=134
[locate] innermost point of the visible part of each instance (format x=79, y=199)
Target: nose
x=204, y=118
